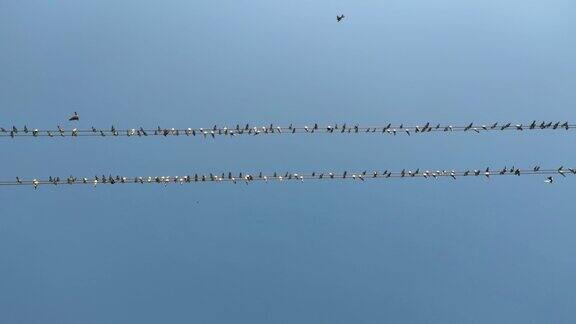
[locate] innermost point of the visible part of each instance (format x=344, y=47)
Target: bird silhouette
x=74, y=117
x=339, y=18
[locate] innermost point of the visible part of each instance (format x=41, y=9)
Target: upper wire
x=248, y=129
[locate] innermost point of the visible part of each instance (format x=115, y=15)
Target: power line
x=291, y=176
x=247, y=129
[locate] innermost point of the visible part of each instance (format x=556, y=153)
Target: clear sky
x=465, y=251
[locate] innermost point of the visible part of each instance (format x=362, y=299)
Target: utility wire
x=248, y=129
x=291, y=176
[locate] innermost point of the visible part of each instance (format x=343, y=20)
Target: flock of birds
x=271, y=129
x=289, y=176
x=291, y=129
x=248, y=129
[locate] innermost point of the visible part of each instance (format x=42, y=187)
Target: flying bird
x=74, y=117
x=339, y=18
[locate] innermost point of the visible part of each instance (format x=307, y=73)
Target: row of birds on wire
x=289, y=176
x=248, y=129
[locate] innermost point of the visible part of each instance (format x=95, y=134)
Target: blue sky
x=468, y=251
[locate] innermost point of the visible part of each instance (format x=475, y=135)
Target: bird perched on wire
x=339, y=18
x=74, y=117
